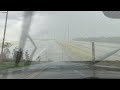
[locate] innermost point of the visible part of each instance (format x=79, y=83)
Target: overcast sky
x=81, y=24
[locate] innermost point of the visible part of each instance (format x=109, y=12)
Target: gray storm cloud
x=82, y=24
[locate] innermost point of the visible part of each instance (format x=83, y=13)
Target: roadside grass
x=10, y=64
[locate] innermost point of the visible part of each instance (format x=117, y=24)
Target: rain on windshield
x=59, y=45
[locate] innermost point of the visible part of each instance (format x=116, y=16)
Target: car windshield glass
x=59, y=44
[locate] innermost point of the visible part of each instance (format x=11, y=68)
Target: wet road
x=52, y=70
x=60, y=70
x=63, y=63
x=58, y=66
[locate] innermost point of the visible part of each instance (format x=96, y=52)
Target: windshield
x=59, y=45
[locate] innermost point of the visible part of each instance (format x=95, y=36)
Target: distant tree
x=7, y=52
x=8, y=44
x=27, y=58
x=19, y=55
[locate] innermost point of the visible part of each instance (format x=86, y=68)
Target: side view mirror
x=112, y=14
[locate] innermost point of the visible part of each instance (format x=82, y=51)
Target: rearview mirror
x=112, y=14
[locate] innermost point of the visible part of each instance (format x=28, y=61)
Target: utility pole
x=93, y=58
x=4, y=33
x=68, y=33
x=54, y=35
x=93, y=52
x=64, y=38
